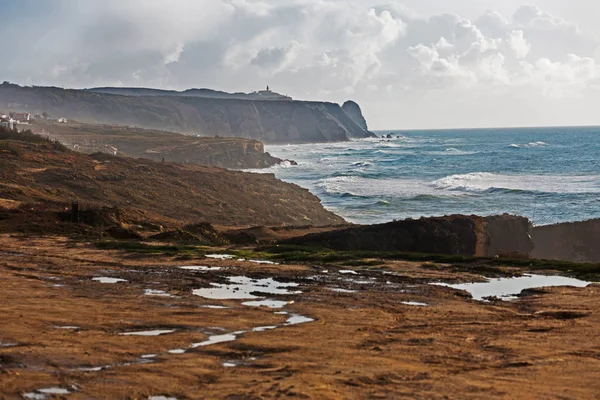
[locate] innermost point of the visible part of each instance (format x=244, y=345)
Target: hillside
x=269, y=121
x=235, y=153
x=48, y=174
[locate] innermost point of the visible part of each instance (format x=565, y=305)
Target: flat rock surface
x=361, y=343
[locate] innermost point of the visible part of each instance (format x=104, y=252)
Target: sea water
x=547, y=174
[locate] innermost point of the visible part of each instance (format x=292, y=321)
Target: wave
x=485, y=181
x=452, y=151
x=530, y=144
x=361, y=164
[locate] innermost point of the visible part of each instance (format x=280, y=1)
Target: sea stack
x=354, y=112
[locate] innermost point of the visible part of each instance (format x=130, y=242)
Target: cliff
x=269, y=121
x=353, y=110
x=234, y=153
x=50, y=175
x=573, y=241
x=504, y=235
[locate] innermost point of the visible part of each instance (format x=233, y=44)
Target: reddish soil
x=364, y=344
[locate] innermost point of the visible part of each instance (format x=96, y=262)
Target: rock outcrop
x=574, y=241
x=224, y=152
x=355, y=113
x=269, y=121
x=504, y=235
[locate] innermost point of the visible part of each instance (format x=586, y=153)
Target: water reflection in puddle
x=296, y=319
x=242, y=287
x=263, y=328
x=220, y=256
x=157, y=293
x=348, y=272
x=103, y=279
x=263, y=262
x=201, y=268
x=340, y=290
x=266, y=303
x=508, y=288
x=215, y=307
x=42, y=394
x=69, y=327
x=229, y=337
x=414, y=303
x=177, y=351
x=156, y=332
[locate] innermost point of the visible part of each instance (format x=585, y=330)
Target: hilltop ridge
x=270, y=121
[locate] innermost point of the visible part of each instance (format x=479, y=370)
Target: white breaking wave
x=459, y=185
x=530, y=144
x=368, y=187
x=481, y=181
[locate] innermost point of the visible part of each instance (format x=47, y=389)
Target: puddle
x=267, y=303
x=508, y=288
x=263, y=262
x=414, y=303
x=156, y=332
x=8, y=344
x=54, y=390
x=348, y=271
x=215, y=307
x=66, y=327
x=177, y=351
x=296, y=319
x=104, y=279
x=42, y=394
x=157, y=293
x=229, y=365
x=228, y=337
x=340, y=290
x=264, y=328
x=200, y=268
x=220, y=256
x=242, y=287
x=149, y=356
x=281, y=313
x=92, y=369
x=34, y=396
x=369, y=282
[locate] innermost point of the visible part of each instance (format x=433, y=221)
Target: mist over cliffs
x=195, y=112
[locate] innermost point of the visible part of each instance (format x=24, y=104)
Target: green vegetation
x=321, y=256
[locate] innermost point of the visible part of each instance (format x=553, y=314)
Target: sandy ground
x=363, y=342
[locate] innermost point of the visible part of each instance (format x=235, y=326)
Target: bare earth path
x=61, y=329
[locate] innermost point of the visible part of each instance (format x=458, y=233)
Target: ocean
x=549, y=175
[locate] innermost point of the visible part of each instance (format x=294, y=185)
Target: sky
x=410, y=64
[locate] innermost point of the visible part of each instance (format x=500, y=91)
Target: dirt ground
x=61, y=329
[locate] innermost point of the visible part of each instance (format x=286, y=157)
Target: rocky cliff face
x=267, y=121
x=504, y=235
x=575, y=241
x=355, y=113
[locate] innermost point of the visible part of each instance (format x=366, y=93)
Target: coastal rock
x=355, y=113
x=504, y=235
x=574, y=241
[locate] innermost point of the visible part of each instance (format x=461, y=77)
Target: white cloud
x=382, y=53
x=518, y=44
